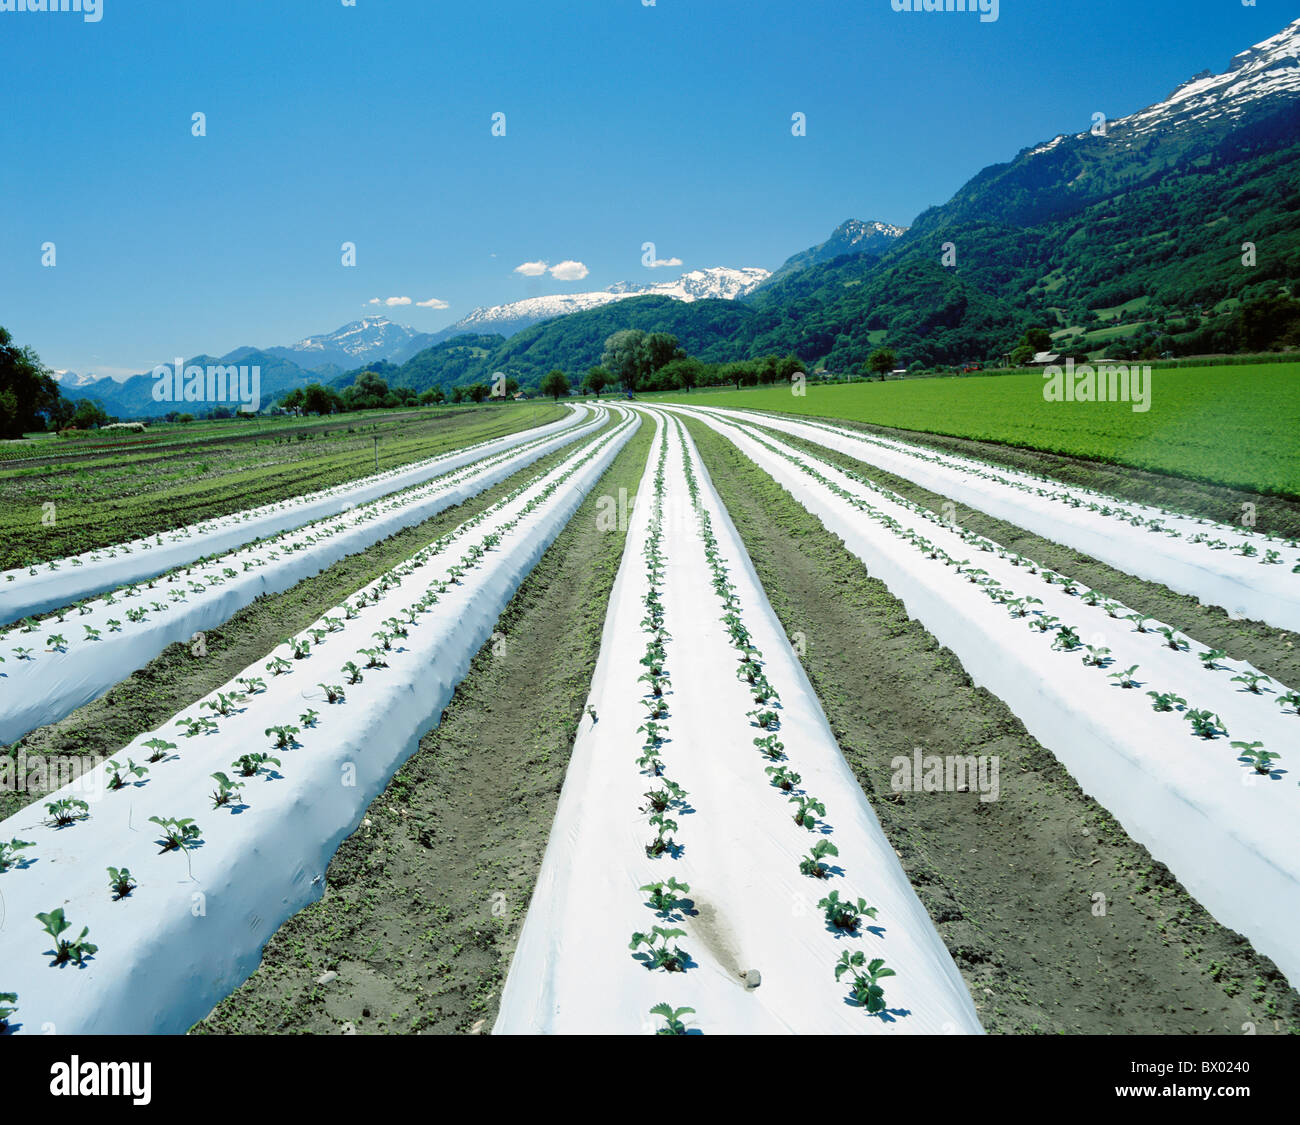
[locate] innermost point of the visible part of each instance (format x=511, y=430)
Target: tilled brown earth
x=1058, y=921
x=423, y=904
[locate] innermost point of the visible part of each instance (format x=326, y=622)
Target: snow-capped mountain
x=853, y=237
x=371, y=338
x=696, y=285
x=70, y=380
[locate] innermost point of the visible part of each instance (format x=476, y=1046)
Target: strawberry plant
x=308, y=718
x=771, y=746
x=159, y=748
x=116, y=779
x=812, y=864
x=1205, y=724
x=1067, y=640
x=7, y=1000
x=1139, y=621
x=227, y=791
x=91, y=634
x=385, y=640
x=1097, y=657
x=1045, y=623
x=55, y=924
x=250, y=765
x=658, y=954
x=1254, y=754
x=656, y=682
x=277, y=666
x=120, y=883
x=222, y=705
x=672, y=1018
x=804, y=813
x=668, y=793
x=373, y=658
x=56, y=643
x=9, y=852
x=666, y=897
x=66, y=811
x=1210, y=658
x=252, y=684
x=1290, y=699
x=1252, y=680
x=333, y=693
x=1172, y=639
x=177, y=835
x=649, y=762
x=846, y=915
x=1165, y=700
x=663, y=841
x=283, y=736
x=1125, y=677
x=783, y=777
x=764, y=719
x=655, y=708
x=354, y=673
x=865, y=991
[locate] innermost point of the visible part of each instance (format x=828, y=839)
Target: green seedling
x=655, y=681
x=353, y=672
x=250, y=765
x=803, y=816
x=277, y=666
x=91, y=634
x=655, y=708
x=783, y=777
x=658, y=953
x=1290, y=699
x=177, y=835
x=649, y=762
x=1210, y=658
x=1097, y=657
x=1125, y=677
x=252, y=684
x=222, y=705
x=1172, y=639
x=666, y=897
x=1067, y=640
x=846, y=915
x=9, y=852
x=66, y=811
x=227, y=791
x=159, y=748
x=119, y=777
x=308, y=718
x=668, y=793
x=333, y=693
x=1254, y=754
x=1139, y=621
x=1252, y=680
x=8, y=1002
x=373, y=657
x=866, y=991
x=55, y=924
x=764, y=719
x=672, y=1018
x=1165, y=700
x=283, y=736
x=772, y=746
x=1205, y=724
x=120, y=882
x=663, y=841
x=812, y=864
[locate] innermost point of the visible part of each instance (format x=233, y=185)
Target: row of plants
x=1075, y=496
x=1065, y=637
x=182, y=834
x=842, y=915
x=657, y=948
x=207, y=527
x=214, y=571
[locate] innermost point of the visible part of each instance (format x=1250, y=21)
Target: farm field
x=1231, y=425
x=217, y=474
x=754, y=620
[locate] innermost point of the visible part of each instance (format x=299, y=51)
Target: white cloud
x=569, y=271
x=391, y=301
x=432, y=303
x=374, y=301
x=660, y=262
x=531, y=269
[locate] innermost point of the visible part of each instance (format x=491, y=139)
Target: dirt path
x=424, y=902
x=1012, y=884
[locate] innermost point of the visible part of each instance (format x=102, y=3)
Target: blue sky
x=625, y=123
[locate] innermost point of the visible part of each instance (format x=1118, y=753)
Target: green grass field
x=1233, y=425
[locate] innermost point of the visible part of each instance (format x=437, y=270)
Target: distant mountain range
x=1136, y=226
